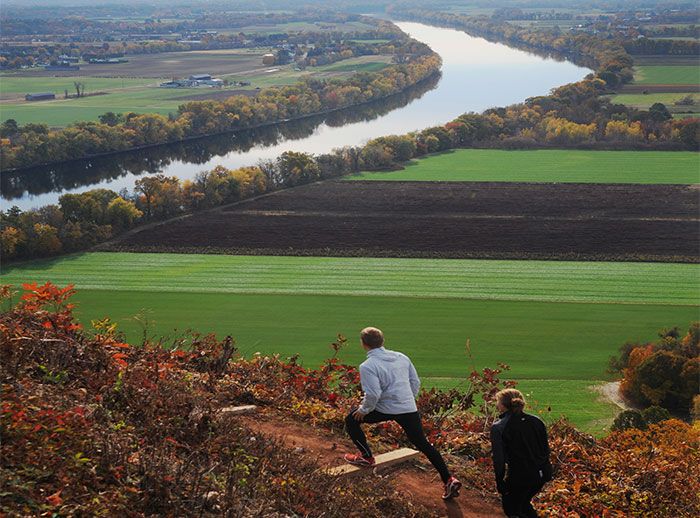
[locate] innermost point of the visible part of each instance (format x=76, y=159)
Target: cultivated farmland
x=444, y=219
x=559, y=166
x=666, y=80
x=167, y=64
x=536, y=316
x=667, y=74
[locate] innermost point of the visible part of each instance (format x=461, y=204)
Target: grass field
x=564, y=166
x=65, y=111
x=671, y=75
x=12, y=87
x=644, y=101
x=555, y=323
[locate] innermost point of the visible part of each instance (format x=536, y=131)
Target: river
x=476, y=75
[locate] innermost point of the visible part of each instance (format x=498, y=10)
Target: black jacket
x=519, y=440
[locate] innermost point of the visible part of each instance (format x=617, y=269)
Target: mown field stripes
x=549, y=281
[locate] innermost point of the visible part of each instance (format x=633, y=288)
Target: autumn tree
x=11, y=239
x=122, y=214
x=46, y=241
x=664, y=373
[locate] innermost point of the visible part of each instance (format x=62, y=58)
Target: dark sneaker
x=359, y=460
x=452, y=488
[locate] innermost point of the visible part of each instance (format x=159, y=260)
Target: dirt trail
x=416, y=480
x=610, y=391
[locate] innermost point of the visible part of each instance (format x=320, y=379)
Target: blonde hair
x=372, y=337
x=512, y=399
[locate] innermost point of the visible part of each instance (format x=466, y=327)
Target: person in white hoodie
x=390, y=384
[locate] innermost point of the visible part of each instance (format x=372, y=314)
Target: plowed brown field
x=445, y=219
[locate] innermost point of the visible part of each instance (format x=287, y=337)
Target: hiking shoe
x=359, y=460
x=452, y=488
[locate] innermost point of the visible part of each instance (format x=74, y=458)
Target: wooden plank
x=383, y=460
x=234, y=410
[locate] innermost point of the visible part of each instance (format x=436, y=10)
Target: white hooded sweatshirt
x=390, y=382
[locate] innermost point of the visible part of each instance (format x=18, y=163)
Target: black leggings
x=410, y=423
x=516, y=499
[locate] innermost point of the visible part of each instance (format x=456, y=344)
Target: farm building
x=193, y=82
x=206, y=80
x=268, y=59
x=44, y=96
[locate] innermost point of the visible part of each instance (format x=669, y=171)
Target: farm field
x=663, y=79
x=14, y=87
x=671, y=74
x=644, y=101
x=166, y=65
x=444, y=219
x=273, y=28
x=142, y=95
x=554, y=323
x=665, y=60
x=487, y=165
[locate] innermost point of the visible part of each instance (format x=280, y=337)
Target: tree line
x=664, y=47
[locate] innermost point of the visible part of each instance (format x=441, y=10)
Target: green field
x=343, y=66
x=667, y=75
x=62, y=112
x=555, y=323
x=12, y=85
x=644, y=101
x=561, y=166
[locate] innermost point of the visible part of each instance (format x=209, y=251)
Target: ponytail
x=512, y=399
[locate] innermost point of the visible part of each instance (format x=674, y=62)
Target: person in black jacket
x=520, y=453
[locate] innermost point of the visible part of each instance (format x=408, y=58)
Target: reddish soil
x=445, y=219
x=416, y=479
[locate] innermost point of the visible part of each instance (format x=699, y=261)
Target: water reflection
x=73, y=175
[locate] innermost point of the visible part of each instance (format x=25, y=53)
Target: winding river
x=476, y=75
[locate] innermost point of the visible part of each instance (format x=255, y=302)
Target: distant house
x=268, y=59
x=200, y=77
x=44, y=96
